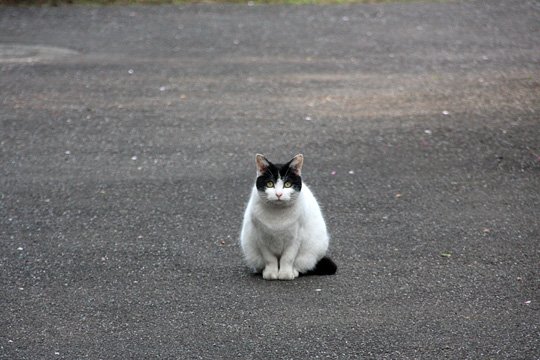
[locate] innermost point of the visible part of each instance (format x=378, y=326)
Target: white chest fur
x=272, y=218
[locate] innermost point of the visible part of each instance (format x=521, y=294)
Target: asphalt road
x=127, y=139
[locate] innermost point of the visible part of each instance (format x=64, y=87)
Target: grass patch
x=160, y=2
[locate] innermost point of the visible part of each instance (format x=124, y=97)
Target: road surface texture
x=128, y=137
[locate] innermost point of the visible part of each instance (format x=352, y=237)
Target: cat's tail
x=325, y=266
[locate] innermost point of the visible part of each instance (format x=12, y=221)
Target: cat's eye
x=270, y=184
x=287, y=184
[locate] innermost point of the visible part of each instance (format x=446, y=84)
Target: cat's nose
x=279, y=194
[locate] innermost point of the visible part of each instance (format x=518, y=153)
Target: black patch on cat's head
x=273, y=172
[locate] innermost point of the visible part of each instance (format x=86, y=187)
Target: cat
x=283, y=232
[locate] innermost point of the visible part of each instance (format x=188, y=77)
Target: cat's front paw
x=270, y=274
x=287, y=274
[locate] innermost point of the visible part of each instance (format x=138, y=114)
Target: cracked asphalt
x=128, y=135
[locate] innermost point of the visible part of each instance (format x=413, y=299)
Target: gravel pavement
x=127, y=143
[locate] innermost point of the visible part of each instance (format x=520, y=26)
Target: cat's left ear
x=296, y=164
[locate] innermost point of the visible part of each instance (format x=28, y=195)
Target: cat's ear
x=296, y=164
x=262, y=164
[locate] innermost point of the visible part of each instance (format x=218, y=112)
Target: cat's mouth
x=280, y=202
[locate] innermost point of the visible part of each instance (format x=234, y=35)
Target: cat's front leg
x=286, y=262
x=271, y=270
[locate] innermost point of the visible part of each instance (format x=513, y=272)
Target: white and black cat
x=283, y=233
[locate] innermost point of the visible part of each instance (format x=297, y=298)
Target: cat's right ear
x=262, y=164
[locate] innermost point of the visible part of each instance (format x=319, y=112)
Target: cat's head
x=279, y=184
